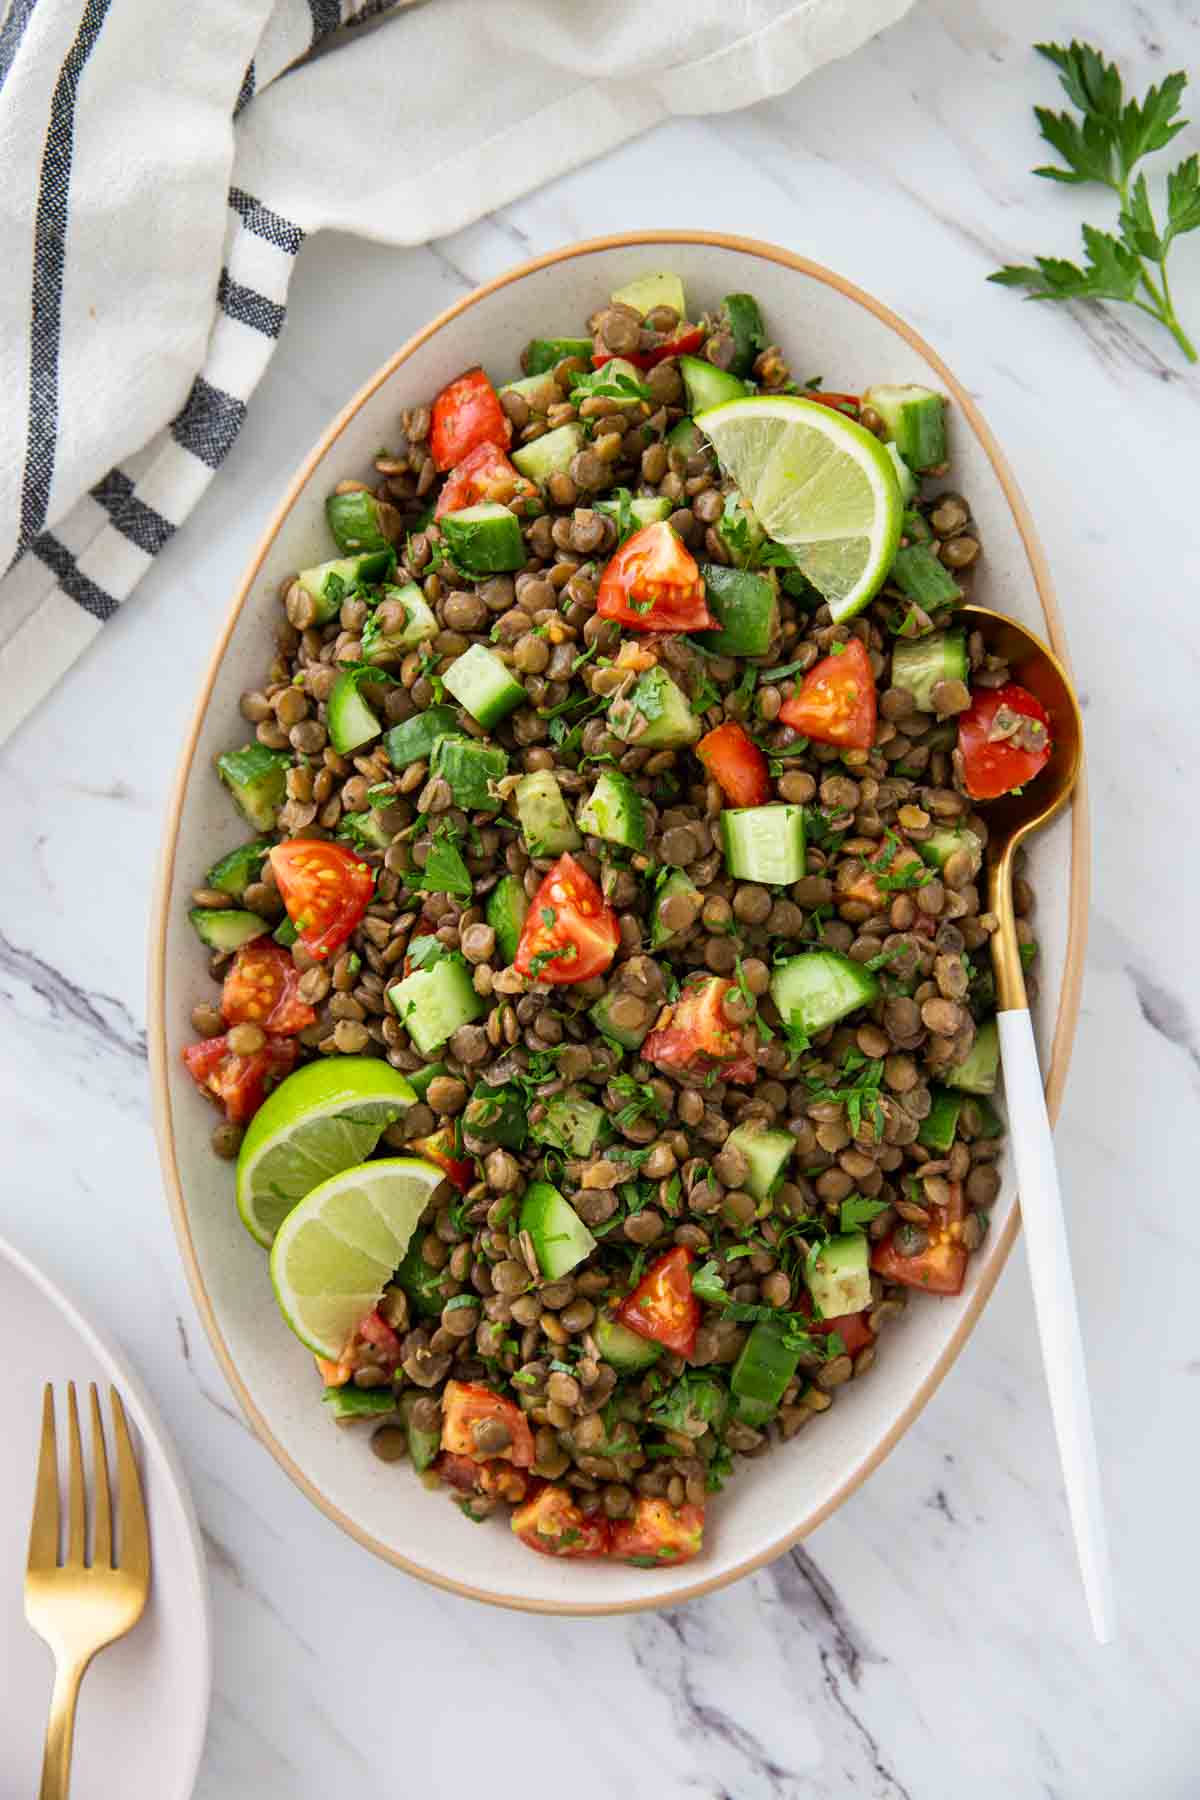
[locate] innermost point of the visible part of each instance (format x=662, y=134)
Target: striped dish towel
x=162, y=165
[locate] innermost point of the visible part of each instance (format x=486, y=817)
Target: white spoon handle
x=1032, y=1148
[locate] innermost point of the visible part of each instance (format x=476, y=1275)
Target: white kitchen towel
x=162, y=163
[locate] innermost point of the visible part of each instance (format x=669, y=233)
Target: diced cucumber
x=977, y=1074
x=677, y=886
x=940, y=845
x=223, y=928
x=432, y=1003
x=572, y=1123
x=234, y=873
x=255, y=777
x=740, y=529
x=709, y=386
x=285, y=933
x=365, y=828
x=655, y=716
x=686, y=437
x=547, y=353
x=472, y=769
x=350, y=1402
x=940, y=1123
x=601, y=1016
x=623, y=1349
x=329, y=583
x=979, y=1114
x=484, y=539
x=546, y=824
x=354, y=522
x=905, y=478
x=648, y=291
x=419, y=1079
x=480, y=682
x=918, y=664
x=380, y=646
x=749, y=334
x=759, y=1377
x=507, y=905
x=694, y=1405
x=819, y=988
x=915, y=420
x=920, y=576
x=539, y=391
x=413, y=739
x=423, y=1446
x=764, y=843
x=644, y=509
x=767, y=1153
x=498, y=1114
x=551, y=454
x=915, y=527
x=560, y=1237
x=747, y=606
x=614, y=811
x=350, y=720
x=838, y=1273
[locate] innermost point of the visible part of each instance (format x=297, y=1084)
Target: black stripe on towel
x=326, y=17
x=131, y=516
x=271, y=226
x=249, y=307
x=49, y=260
x=246, y=91
x=209, y=423
x=84, y=592
x=11, y=32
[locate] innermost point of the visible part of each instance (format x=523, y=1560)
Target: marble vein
x=103, y=1017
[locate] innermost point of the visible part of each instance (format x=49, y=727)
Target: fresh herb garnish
x=445, y=872
x=859, y=1210
x=606, y=383
x=640, y=1101
x=862, y=1093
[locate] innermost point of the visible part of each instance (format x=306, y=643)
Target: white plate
x=143, y=1706
x=826, y=327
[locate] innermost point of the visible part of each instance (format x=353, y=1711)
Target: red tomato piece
x=497, y=1478
x=485, y=473
x=326, y=890
x=653, y=583
x=852, y=1328
x=238, y=1083
x=466, y=413
x=662, y=1306
x=1004, y=737
x=262, y=988
x=658, y=1534
x=466, y=1404
x=835, y=703
x=553, y=1525
x=698, y=1036
x=850, y=404
x=375, y=1330
x=939, y=1268
x=736, y=763
x=439, y=1148
x=686, y=341
x=570, y=932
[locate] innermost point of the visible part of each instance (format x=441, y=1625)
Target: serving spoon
x=1010, y=820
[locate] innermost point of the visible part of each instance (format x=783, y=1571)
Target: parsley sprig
x=1104, y=146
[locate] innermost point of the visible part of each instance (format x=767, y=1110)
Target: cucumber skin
x=915, y=418
x=543, y=354
x=858, y=988
x=747, y=330
x=413, y=739
x=352, y=1402
x=747, y=607
x=507, y=906
x=939, y=1125
x=420, y=1079
x=475, y=766
x=919, y=575
x=978, y=1073
x=677, y=882
x=223, y=928
x=255, y=778
x=628, y=1040
x=708, y=386
x=624, y=1349
x=354, y=521
x=484, y=540
x=233, y=873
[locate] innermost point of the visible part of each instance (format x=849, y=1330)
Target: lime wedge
x=337, y=1250
x=821, y=485
x=326, y=1117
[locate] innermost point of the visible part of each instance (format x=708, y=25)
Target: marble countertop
x=930, y=1639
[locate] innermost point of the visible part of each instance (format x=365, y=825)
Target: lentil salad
x=579, y=807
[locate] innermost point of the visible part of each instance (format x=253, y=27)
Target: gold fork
x=76, y=1606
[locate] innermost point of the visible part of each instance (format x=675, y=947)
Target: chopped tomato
x=570, y=933
x=466, y=1404
x=485, y=473
x=497, y=1478
x=662, y=1306
x=654, y=584
x=439, y=1148
x=1004, y=738
x=939, y=1268
x=835, y=703
x=698, y=1036
x=326, y=890
x=375, y=1330
x=852, y=1328
x=850, y=404
x=554, y=1525
x=262, y=988
x=659, y=1533
x=238, y=1083
x=736, y=764
x=685, y=341
x=466, y=413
